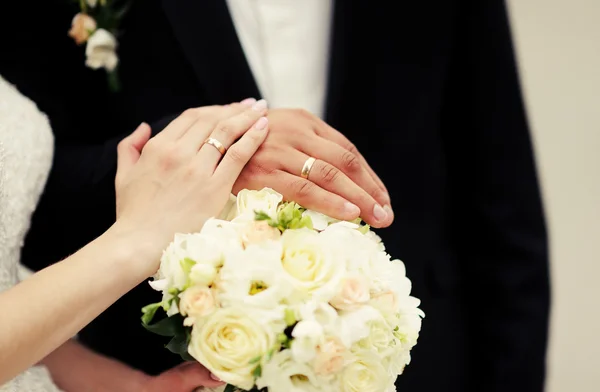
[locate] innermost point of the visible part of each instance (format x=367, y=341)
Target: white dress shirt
x=286, y=43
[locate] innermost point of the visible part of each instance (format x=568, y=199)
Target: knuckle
x=237, y=155
x=350, y=162
x=169, y=156
x=351, y=148
x=329, y=173
x=303, y=188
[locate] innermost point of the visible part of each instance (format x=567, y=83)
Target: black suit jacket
x=427, y=91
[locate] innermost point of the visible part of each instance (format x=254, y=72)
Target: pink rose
x=82, y=27
x=259, y=231
x=330, y=356
x=353, y=293
x=196, y=302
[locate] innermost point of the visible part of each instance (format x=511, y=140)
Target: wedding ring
x=216, y=144
x=307, y=166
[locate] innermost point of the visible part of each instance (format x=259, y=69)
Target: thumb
x=193, y=375
x=130, y=148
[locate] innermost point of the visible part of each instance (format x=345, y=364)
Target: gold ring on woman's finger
x=216, y=144
x=307, y=166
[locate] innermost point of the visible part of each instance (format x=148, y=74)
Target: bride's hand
x=179, y=181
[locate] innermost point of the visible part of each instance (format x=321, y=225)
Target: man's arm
x=499, y=219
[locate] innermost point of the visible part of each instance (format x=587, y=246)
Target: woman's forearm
x=53, y=305
x=76, y=368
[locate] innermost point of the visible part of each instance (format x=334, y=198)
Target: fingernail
x=388, y=210
x=215, y=378
x=261, y=123
x=379, y=213
x=260, y=105
x=351, y=209
x=248, y=101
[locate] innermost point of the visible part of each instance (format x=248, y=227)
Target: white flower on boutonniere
x=101, y=51
x=82, y=27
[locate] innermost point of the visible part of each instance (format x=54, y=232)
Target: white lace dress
x=26, y=146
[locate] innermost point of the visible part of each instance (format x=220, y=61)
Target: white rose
x=311, y=265
x=91, y=3
x=354, y=291
x=307, y=336
x=101, y=51
x=254, y=277
x=250, y=201
x=196, y=302
x=365, y=373
x=319, y=221
x=230, y=340
x=282, y=373
x=330, y=356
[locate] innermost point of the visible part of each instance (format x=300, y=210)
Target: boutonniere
x=96, y=25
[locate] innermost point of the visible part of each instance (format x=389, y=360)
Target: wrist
x=135, y=250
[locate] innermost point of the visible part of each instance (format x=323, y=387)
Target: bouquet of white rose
x=274, y=297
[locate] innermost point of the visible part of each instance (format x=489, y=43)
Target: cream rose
x=101, y=51
x=228, y=343
x=196, y=302
x=330, y=356
x=250, y=201
x=354, y=291
x=365, y=373
x=311, y=265
x=256, y=232
x=81, y=27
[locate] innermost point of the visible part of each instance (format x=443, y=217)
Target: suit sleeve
x=497, y=208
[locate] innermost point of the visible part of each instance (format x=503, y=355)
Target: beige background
x=558, y=45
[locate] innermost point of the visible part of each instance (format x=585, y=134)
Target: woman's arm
x=174, y=185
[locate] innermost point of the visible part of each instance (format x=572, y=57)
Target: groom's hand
x=187, y=377
x=340, y=183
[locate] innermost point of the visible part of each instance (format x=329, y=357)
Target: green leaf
x=178, y=345
x=364, y=229
x=149, y=311
x=261, y=216
x=257, y=372
x=230, y=388
x=186, y=265
x=255, y=360
x=290, y=317
x=170, y=326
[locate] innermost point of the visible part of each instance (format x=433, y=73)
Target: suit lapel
x=208, y=38
x=338, y=60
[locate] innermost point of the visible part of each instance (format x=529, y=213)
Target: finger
x=185, y=120
x=240, y=153
x=194, y=375
x=327, y=132
x=370, y=199
x=130, y=149
x=309, y=195
x=330, y=178
x=226, y=132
